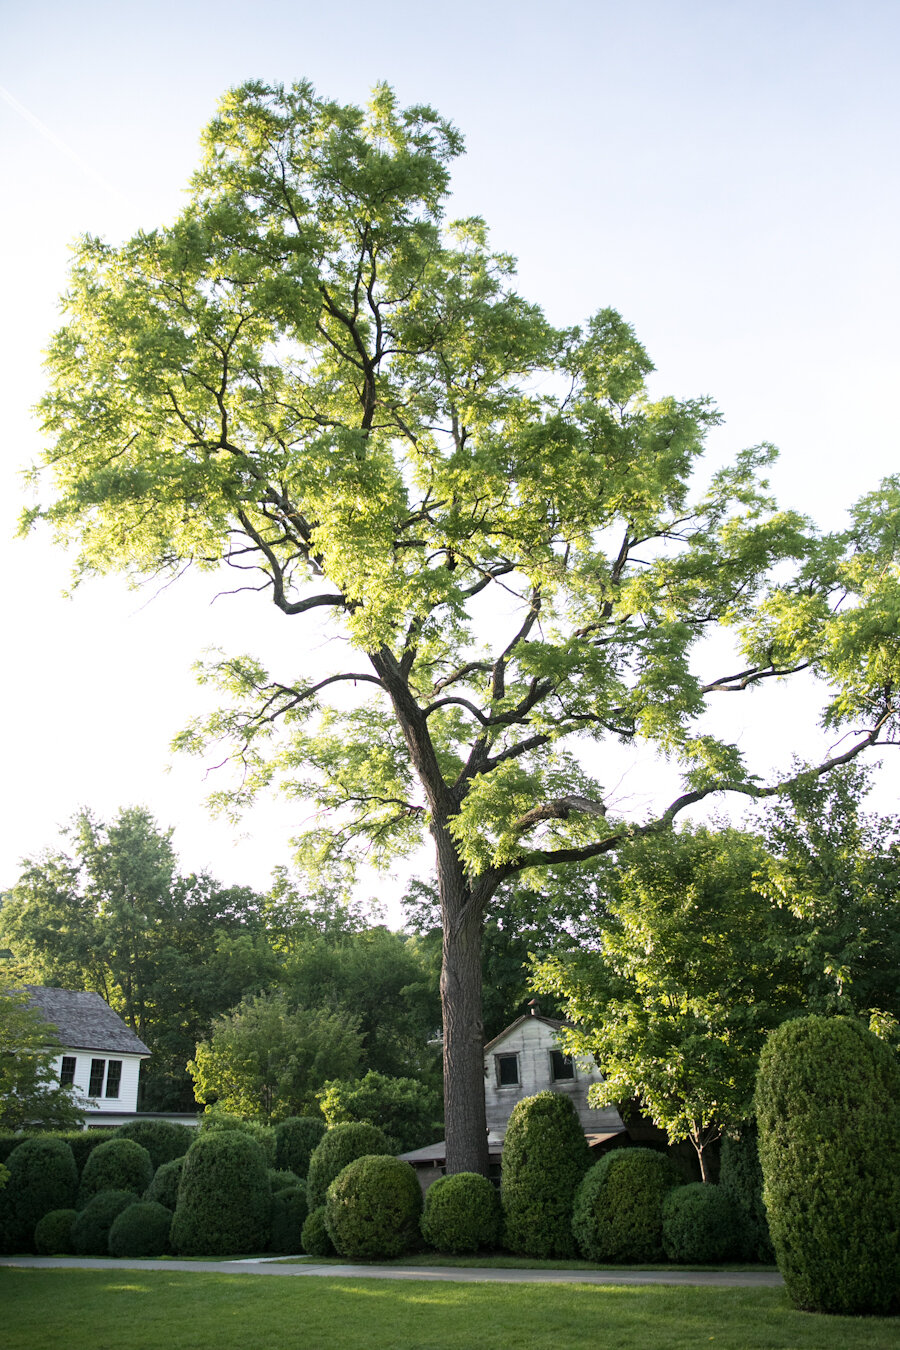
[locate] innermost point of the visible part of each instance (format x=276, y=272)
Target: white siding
x=128, y=1086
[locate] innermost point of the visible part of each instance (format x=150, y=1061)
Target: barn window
x=98, y=1070
x=113, y=1077
x=507, y=1070
x=67, y=1071
x=561, y=1065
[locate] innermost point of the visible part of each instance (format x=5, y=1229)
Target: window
x=98, y=1069
x=507, y=1070
x=67, y=1071
x=113, y=1077
x=561, y=1065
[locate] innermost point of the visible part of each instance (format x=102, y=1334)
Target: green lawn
x=104, y=1310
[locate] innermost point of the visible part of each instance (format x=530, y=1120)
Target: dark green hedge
x=545, y=1156
x=340, y=1145
x=90, y=1231
x=828, y=1110
x=289, y=1212
x=163, y=1139
x=117, y=1165
x=42, y=1177
x=53, y=1233
x=314, y=1236
x=700, y=1224
x=741, y=1179
x=462, y=1214
x=164, y=1186
x=224, y=1202
x=373, y=1207
x=141, y=1230
x=617, y=1215
x=295, y=1140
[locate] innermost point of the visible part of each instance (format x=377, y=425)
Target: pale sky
x=725, y=174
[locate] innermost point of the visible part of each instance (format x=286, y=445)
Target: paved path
x=753, y=1279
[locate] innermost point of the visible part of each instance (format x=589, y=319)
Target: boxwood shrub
x=90, y=1231
x=340, y=1145
x=295, y=1140
x=42, y=1177
x=163, y=1139
x=280, y=1178
x=741, y=1179
x=53, y=1233
x=373, y=1206
x=828, y=1110
x=117, y=1165
x=617, y=1215
x=461, y=1214
x=224, y=1201
x=141, y=1230
x=289, y=1212
x=545, y=1156
x=700, y=1224
x=315, y=1236
x=164, y=1186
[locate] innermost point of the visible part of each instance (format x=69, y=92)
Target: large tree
x=309, y=377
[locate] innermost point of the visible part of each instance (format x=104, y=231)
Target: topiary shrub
x=741, y=1179
x=280, y=1178
x=164, y=1186
x=828, y=1111
x=117, y=1165
x=295, y=1140
x=141, y=1230
x=373, y=1208
x=90, y=1231
x=461, y=1214
x=699, y=1224
x=314, y=1236
x=42, y=1177
x=340, y=1145
x=289, y=1212
x=617, y=1214
x=214, y=1120
x=164, y=1140
x=224, y=1202
x=545, y=1156
x=53, y=1233
x=82, y=1143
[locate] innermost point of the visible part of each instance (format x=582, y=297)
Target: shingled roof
x=84, y=1021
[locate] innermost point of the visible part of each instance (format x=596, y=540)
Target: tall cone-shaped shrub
x=545, y=1155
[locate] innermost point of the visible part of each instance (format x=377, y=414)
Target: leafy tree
x=266, y=1060
x=406, y=1111
x=306, y=374
x=30, y=1092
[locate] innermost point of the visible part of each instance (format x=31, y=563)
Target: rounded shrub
x=828, y=1111
x=117, y=1165
x=42, y=1177
x=461, y=1214
x=280, y=1178
x=90, y=1231
x=141, y=1230
x=289, y=1212
x=53, y=1233
x=545, y=1156
x=617, y=1215
x=700, y=1224
x=314, y=1236
x=163, y=1139
x=741, y=1179
x=373, y=1208
x=340, y=1145
x=214, y=1120
x=295, y=1140
x=224, y=1200
x=164, y=1186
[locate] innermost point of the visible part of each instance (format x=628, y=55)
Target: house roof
x=526, y=1017
x=84, y=1021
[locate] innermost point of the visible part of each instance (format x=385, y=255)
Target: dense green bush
x=164, y=1186
x=53, y=1233
x=741, y=1179
x=295, y=1140
x=700, y=1224
x=545, y=1156
x=289, y=1211
x=82, y=1143
x=828, y=1110
x=7, y=1143
x=280, y=1178
x=163, y=1139
x=462, y=1214
x=617, y=1215
x=90, y=1231
x=141, y=1230
x=224, y=1202
x=314, y=1235
x=339, y=1146
x=213, y=1120
x=42, y=1177
x=373, y=1207
x=404, y=1108
x=117, y=1165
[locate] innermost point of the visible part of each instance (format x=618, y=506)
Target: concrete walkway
x=747, y=1279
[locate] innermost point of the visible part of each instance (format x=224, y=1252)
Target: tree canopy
x=311, y=376
x=30, y=1092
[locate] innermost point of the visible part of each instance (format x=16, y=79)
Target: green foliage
x=462, y=1214
x=224, y=1202
x=295, y=1139
x=545, y=1156
x=828, y=1111
x=30, y=1093
x=141, y=1230
x=741, y=1179
x=53, y=1233
x=216, y=1118
x=117, y=1165
x=372, y=1208
x=617, y=1215
x=90, y=1231
x=403, y=1108
x=42, y=1177
x=280, y=1177
x=164, y=1186
x=289, y=1213
x=164, y=1140
x=339, y=1146
x=700, y=1224
x=82, y=1143
x=314, y=1235
x=268, y=1059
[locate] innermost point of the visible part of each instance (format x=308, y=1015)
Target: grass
x=503, y=1261
x=102, y=1310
